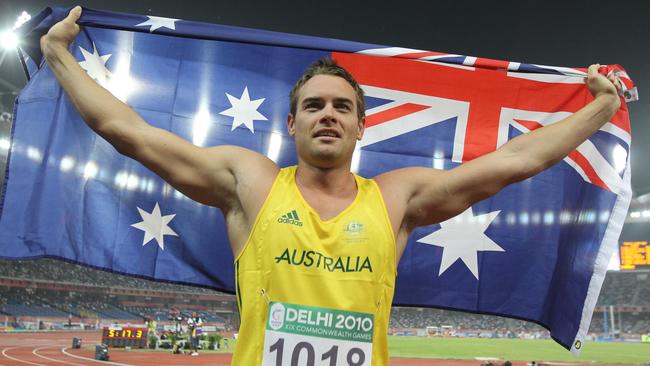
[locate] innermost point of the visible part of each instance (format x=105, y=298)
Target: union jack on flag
x=486, y=102
x=537, y=250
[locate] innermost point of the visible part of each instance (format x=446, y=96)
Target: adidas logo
x=290, y=218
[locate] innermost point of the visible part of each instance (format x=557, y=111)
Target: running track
x=55, y=349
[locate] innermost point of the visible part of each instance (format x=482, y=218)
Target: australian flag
x=538, y=250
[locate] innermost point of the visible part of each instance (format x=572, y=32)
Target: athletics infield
x=54, y=349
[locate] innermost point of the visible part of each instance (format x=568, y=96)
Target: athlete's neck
x=330, y=181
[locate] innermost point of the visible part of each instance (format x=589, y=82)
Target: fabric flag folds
x=537, y=251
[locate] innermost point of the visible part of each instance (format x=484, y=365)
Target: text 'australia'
x=310, y=258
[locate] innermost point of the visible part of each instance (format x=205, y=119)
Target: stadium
x=59, y=312
x=45, y=304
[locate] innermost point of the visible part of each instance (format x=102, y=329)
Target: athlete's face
x=326, y=125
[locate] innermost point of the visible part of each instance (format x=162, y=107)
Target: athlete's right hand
x=63, y=32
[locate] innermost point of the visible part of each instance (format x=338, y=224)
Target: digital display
x=635, y=255
x=125, y=337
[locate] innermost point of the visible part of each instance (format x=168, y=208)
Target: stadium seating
x=627, y=292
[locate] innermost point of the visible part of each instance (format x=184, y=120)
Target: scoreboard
x=635, y=255
x=125, y=337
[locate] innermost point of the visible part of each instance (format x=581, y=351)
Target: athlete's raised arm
x=207, y=175
x=422, y=196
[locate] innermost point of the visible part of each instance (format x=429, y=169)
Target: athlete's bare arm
x=231, y=178
x=422, y=196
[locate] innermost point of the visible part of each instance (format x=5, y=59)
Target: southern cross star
x=462, y=237
x=158, y=22
x=95, y=65
x=154, y=226
x=244, y=110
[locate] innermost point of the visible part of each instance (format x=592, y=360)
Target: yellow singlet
x=316, y=291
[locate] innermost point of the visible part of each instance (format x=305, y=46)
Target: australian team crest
x=354, y=231
x=354, y=228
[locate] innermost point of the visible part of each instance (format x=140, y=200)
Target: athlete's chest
x=327, y=206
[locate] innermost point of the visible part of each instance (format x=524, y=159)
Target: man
x=315, y=244
x=194, y=324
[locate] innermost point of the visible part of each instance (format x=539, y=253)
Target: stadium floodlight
x=9, y=40
x=23, y=18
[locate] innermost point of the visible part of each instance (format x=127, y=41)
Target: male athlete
x=316, y=246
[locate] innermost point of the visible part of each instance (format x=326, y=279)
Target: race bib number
x=298, y=335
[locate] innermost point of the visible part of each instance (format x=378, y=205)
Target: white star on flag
x=154, y=226
x=95, y=65
x=462, y=237
x=158, y=22
x=244, y=110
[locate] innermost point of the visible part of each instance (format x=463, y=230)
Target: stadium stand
x=60, y=294
x=48, y=288
x=62, y=272
x=625, y=296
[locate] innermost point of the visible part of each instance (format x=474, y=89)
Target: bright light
x=565, y=217
x=356, y=159
x=604, y=216
x=143, y=184
x=587, y=217
x=523, y=218
x=124, y=179
x=9, y=40
x=167, y=190
x=635, y=214
x=120, y=178
x=5, y=144
x=620, y=158
x=645, y=213
x=549, y=218
x=275, y=144
x=34, y=153
x=67, y=162
x=23, y=18
x=121, y=84
x=438, y=159
x=201, y=125
x=90, y=170
x=151, y=185
x=132, y=182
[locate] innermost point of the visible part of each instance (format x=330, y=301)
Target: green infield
x=517, y=349
x=504, y=349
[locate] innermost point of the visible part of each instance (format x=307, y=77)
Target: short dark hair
x=327, y=66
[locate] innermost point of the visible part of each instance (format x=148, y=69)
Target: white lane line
x=35, y=352
x=4, y=353
x=92, y=359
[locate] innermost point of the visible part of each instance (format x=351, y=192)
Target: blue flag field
x=538, y=250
